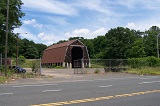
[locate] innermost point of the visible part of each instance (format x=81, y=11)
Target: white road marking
x=33, y=85
x=102, y=79
x=149, y=82
x=146, y=78
x=52, y=90
x=83, y=80
x=6, y=93
x=105, y=86
x=153, y=76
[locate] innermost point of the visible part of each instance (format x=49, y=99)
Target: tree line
x=123, y=43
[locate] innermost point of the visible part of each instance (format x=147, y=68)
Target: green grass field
x=28, y=63
x=145, y=71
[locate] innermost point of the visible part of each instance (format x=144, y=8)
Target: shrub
x=150, y=61
x=2, y=68
x=35, y=66
x=21, y=60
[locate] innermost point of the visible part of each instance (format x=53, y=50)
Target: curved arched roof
x=56, y=53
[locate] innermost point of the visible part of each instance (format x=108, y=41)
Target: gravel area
x=64, y=75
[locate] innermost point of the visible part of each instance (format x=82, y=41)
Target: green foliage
x=21, y=60
x=15, y=14
x=35, y=66
x=2, y=68
x=150, y=42
x=59, y=67
x=153, y=61
x=119, y=40
x=144, y=62
x=138, y=49
x=145, y=71
x=40, y=48
x=30, y=50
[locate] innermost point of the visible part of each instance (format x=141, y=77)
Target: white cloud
x=45, y=37
x=141, y=26
x=48, y=39
x=33, y=22
x=101, y=31
x=30, y=21
x=131, y=25
x=50, y=6
x=86, y=33
x=57, y=20
x=78, y=33
x=24, y=33
x=134, y=4
x=94, y=5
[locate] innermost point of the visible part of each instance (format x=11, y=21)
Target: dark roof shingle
x=61, y=45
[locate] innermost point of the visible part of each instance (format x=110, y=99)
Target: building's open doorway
x=77, y=55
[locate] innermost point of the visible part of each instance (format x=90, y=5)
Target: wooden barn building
x=68, y=54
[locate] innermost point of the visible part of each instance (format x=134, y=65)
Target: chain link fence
x=0, y=59
x=103, y=65
x=31, y=65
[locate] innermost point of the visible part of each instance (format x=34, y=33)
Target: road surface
x=94, y=90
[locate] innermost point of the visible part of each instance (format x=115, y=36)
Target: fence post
x=1, y=59
x=110, y=63
x=40, y=69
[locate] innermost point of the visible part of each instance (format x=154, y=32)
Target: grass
x=27, y=64
x=145, y=71
x=13, y=76
x=97, y=66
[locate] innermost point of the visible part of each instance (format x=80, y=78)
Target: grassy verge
x=13, y=76
x=145, y=71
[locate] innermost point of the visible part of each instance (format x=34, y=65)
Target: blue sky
x=49, y=21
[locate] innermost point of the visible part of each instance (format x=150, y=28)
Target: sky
x=49, y=21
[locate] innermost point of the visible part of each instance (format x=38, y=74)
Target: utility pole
x=1, y=59
x=158, y=45
x=17, y=36
x=17, y=42
x=40, y=68
x=6, y=42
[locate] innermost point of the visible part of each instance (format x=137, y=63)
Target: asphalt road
x=96, y=90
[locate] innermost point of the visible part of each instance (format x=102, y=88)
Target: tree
x=138, y=49
x=15, y=14
x=89, y=44
x=40, y=48
x=99, y=45
x=31, y=52
x=154, y=28
x=150, y=40
x=61, y=41
x=119, y=41
x=74, y=38
x=28, y=49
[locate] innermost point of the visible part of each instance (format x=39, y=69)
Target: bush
x=35, y=66
x=21, y=60
x=150, y=61
x=2, y=68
